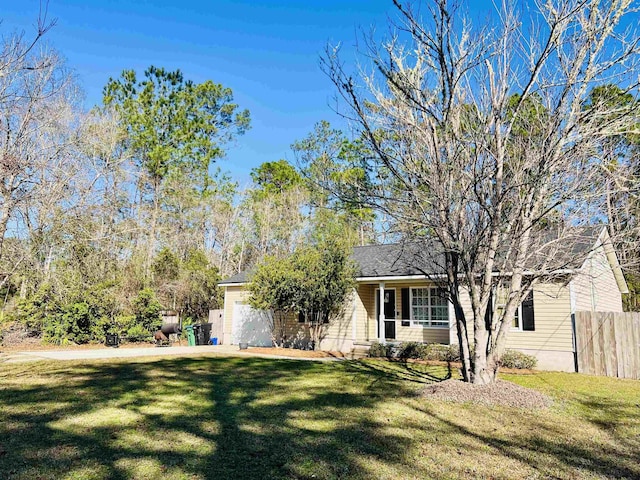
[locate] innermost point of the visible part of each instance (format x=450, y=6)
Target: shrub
x=34, y=312
x=137, y=333
x=444, y=353
x=146, y=309
x=411, y=350
x=378, y=350
x=440, y=352
x=71, y=325
x=417, y=351
x=101, y=326
x=518, y=360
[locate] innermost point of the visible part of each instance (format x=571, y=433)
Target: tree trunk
x=5, y=214
x=486, y=371
x=483, y=371
x=463, y=342
x=151, y=244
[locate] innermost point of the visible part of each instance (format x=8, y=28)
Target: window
x=429, y=308
x=528, y=318
x=523, y=319
x=515, y=324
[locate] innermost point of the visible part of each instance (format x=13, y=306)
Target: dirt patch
x=15, y=334
x=499, y=393
x=292, y=352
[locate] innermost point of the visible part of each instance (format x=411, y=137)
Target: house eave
x=397, y=278
x=564, y=271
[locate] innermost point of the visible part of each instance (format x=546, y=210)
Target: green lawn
x=215, y=417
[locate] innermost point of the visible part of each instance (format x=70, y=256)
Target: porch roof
x=397, y=260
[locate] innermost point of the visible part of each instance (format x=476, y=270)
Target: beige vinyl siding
x=235, y=294
x=363, y=307
x=465, y=299
x=231, y=296
x=338, y=334
x=552, y=314
x=403, y=334
x=595, y=286
x=551, y=306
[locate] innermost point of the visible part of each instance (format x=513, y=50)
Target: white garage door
x=251, y=326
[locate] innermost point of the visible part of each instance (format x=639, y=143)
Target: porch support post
x=354, y=316
x=381, y=336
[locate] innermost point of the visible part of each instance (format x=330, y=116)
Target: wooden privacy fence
x=608, y=344
x=216, y=319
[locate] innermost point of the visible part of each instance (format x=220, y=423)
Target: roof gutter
x=562, y=271
x=392, y=278
x=398, y=277
x=236, y=284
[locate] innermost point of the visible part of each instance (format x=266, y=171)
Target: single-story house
x=413, y=310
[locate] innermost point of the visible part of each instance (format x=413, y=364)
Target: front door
x=389, y=313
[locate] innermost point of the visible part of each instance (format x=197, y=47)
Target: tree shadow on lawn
x=388, y=373
x=255, y=418
x=542, y=441
x=194, y=418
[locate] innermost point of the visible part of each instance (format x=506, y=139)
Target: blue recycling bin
x=214, y=340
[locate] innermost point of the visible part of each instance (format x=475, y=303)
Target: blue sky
x=267, y=52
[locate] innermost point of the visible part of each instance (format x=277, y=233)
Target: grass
x=252, y=418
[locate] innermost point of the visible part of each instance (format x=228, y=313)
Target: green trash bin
x=191, y=338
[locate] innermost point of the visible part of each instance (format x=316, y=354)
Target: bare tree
x=37, y=133
x=484, y=142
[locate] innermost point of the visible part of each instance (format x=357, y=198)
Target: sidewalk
x=102, y=353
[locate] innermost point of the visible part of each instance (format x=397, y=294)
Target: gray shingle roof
x=238, y=278
x=391, y=260
x=409, y=259
x=397, y=260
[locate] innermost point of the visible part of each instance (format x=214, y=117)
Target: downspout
x=572, y=303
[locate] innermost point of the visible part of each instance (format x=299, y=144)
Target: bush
x=441, y=353
x=35, y=311
x=518, y=360
x=378, y=350
x=416, y=351
x=146, y=309
x=137, y=333
x=444, y=353
x=74, y=316
x=411, y=350
x=71, y=325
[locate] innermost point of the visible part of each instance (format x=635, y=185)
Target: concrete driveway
x=101, y=353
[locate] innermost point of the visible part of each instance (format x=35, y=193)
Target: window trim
x=415, y=324
x=519, y=313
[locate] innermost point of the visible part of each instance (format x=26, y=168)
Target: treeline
x=109, y=216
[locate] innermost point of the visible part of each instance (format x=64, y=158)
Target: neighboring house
x=413, y=310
